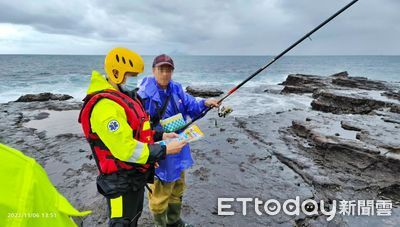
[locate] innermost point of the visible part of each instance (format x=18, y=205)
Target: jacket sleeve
x=109, y=121
x=192, y=106
x=158, y=135
x=157, y=152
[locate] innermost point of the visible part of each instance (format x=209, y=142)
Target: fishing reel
x=224, y=111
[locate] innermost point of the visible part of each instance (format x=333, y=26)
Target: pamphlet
x=190, y=134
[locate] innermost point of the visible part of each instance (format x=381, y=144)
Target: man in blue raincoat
x=164, y=98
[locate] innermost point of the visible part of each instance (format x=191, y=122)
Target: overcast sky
x=206, y=27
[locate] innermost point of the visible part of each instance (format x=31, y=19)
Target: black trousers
x=125, y=210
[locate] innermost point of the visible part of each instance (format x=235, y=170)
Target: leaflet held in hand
x=190, y=134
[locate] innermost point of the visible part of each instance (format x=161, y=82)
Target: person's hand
x=170, y=135
x=211, y=103
x=175, y=147
x=156, y=165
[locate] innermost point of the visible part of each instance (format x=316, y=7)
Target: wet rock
x=203, y=92
x=300, y=83
x=68, y=136
x=232, y=140
x=349, y=126
x=242, y=167
x=390, y=117
x=41, y=134
x=392, y=94
x=202, y=173
x=298, y=89
x=343, y=74
x=302, y=79
x=43, y=97
x=391, y=192
x=216, y=152
x=272, y=90
x=395, y=109
x=41, y=115
x=300, y=129
x=391, y=120
x=371, y=140
x=91, y=168
x=344, y=103
x=359, y=82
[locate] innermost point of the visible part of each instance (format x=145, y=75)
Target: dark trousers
x=125, y=210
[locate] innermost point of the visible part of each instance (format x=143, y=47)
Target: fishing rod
x=202, y=114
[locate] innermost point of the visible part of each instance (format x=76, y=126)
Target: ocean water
x=68, y=74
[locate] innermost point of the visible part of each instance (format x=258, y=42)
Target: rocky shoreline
x=345, y=146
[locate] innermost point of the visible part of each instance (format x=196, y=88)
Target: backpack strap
x=160, y=111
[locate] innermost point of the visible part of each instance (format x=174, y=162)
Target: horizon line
x=214, y=55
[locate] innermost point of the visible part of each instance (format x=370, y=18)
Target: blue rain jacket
x=153, y=96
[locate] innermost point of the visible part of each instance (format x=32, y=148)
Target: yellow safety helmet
x=124, y=61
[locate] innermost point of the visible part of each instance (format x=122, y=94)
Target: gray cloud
x=216, y=27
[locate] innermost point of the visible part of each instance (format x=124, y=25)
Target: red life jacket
x=136, y=117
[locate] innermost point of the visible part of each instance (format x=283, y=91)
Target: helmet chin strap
x=123, y=89
x=120, y=88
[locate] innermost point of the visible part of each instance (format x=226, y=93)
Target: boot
x=160, y=220
x=174, y=216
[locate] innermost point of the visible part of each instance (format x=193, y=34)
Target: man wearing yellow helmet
x=122, y=142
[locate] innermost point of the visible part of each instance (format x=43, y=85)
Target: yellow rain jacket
x=120, y=141
x=27, y=197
